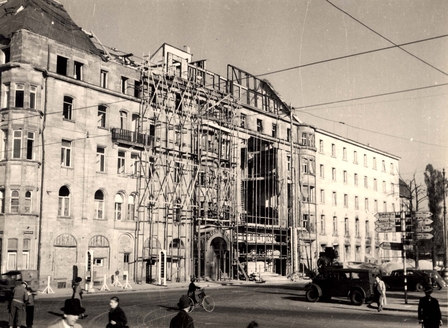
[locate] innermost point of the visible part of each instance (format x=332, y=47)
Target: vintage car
x=11, y=279
x=417, y=280
x=436, y=279
x=355, y=284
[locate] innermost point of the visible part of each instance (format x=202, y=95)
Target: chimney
x=187, y=49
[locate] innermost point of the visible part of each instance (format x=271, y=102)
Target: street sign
x=423, y=235
x=387, y=215
x=385, y=229
x=391, y=246
x=424, y=222
x=422, y=215
x=386, y=220
x=423, y=229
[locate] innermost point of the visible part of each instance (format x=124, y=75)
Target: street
x=269, y=305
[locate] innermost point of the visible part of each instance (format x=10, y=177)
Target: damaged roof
x=44, y=17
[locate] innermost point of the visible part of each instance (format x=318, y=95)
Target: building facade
x=159, y=169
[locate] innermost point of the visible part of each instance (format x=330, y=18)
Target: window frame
x=66, y=153
x=67, y=108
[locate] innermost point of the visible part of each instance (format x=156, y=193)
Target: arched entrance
x=217, y=259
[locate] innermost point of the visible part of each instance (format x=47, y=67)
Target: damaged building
x=156, y=168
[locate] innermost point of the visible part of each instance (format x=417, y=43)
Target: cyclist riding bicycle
x=191, y=290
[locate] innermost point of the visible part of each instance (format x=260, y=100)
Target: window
x=333, y=150
x=20, y=95
x=355, y=157
x=366, y=182
x=322, y=224
x=121, y=162
x=17, y=144
x=383, y=166
x=131, y=207
x=321, y=171
x=177, y=172
x=67, y=111
x=357, y=227
x=367, y=229
x=274, y=130
x=346, y=228
x=384, y=186
x=366, y=204
x=322, y=196
x=4, y=141
x=12, y=253
x=344, y=154
x=356, y=203
x=33, y=92
x=374, y=163
x=375, y=206
x=242, y=120
x=393, y=207
x=288, y=160
x=392, y=189
x=118, y=207
x=375, y=184
x=26, y=253
x=304, y=165
x=304, y=139
x=288, y=134
x=355, y=178
x=345, y=177
x=126, y=257
x=135, y=164
x=102, y=111
x=384, y=206
x=335, y=226
x=28, y=203
x=335, y=199
x=365, y=160
x=61, y=65
x=14, y=201
x=392, y=171
x=333, y=174
x=345, y=200
x=64, y=202
x=123, y=120
x=5, y=95
x=101, y=159
x=77, y=70
x=103, y=79
x=2, y=200
x=29, y=146
x=124, y=84
x=321, y=146
x=305, y=221
x=66, y=149
x=99, y=205
x=259, y=125
x=98, y=261
x=5, y=55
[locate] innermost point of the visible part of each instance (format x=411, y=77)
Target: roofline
x=361, y=145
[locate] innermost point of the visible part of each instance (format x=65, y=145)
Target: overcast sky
x=267, y=36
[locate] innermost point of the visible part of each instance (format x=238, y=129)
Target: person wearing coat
x=17, y=304
x=78, y=291
x=117, y=317
x=429, y=310
x=380, y=293
x=72, y=310
x=183, y=319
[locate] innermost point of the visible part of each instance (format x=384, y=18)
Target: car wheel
x=419, y=287
x=312, y=295
x=357, y=298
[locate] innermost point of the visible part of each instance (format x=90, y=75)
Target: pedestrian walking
x=72, y=310
x=117, y=317
x=191, y=290
x=380, y=293
x=30, y=308
x=429, y=310
x=182, y=319
x=77, y=292
x=17, y=303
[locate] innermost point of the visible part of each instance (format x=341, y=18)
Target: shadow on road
x=169, y=308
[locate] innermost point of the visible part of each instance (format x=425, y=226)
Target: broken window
x=61, y=65
x=77, y=70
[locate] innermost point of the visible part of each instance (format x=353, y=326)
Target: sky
x=271, y=39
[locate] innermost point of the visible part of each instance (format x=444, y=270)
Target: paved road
x=271, y=306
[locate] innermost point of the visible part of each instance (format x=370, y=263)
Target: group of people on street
x=22, y=301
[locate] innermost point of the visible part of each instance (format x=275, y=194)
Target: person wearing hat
x=429, y=310
x=19, y=298
x=117, y=317
x=192, y=289
x=72, y=310
x=78, y=291
x=183, y=319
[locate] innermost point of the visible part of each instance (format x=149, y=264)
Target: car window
x=410, y=273
x=344, y=275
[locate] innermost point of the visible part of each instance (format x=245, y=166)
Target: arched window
x=64, y=202
x=99, y=205
x=28, y=202
x=131, y=207
x=123, y=120
x=14, y=201
x=118, y=206
x=67, y=110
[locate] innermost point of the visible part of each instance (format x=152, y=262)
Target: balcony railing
x=131, y=137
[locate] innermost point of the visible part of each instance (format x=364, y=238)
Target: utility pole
x=294, y=243
x=403, y=238
x=445, y=228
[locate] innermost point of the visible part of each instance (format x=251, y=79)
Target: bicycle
x=206, y=301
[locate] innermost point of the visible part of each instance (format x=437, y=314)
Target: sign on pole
x=423, y=229
x=423, y=235
x=423, y=222
x=391, y=246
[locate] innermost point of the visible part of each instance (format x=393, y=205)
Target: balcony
x=131, y=138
